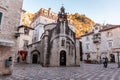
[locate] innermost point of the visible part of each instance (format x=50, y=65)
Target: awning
x=9, y=43
x=116, y=50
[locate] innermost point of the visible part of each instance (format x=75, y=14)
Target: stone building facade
x=24, y=39
x=42, y=17
x=109, y=39
x=10, y=15
x=57, y=46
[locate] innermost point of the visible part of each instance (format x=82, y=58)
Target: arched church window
x=63, y=42
x=96, y=28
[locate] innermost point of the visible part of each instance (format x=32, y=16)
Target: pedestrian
x=18, y=59
x=105, y=62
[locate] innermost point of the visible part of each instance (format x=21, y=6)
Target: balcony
x=97, y=38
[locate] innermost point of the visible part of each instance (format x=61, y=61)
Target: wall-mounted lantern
x=25, y=31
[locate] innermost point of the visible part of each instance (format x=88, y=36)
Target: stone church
x=58, y=45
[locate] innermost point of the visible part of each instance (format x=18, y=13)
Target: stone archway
x=112, y=58
x=35, y=57
x=62, y=58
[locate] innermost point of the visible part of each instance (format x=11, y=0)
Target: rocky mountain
x=82, y=23
x=27, y=18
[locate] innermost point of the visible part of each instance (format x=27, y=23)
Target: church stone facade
x=58, y=45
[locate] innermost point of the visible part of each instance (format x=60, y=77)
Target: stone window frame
x=88, y=46
x=110, y=43
x=26, y=42
x=96, y=28
x=109, y=34
x=1, y=15
x=87, y=38
x=1, y=20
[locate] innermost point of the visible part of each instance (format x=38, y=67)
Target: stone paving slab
x=85, y=72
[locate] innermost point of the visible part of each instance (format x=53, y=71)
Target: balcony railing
x=97, y=38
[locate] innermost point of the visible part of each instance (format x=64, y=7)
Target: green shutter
x=0, y=17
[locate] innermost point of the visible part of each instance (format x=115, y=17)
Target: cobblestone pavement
x=85, y=72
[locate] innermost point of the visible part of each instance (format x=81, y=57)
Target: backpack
x=106, y=59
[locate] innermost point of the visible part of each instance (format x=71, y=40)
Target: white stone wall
x=38, y=25
x=24, y=37
x=104, y=48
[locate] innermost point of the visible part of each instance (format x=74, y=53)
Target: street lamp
x=26, y=30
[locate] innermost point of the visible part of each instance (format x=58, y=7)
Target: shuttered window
x=0, y=17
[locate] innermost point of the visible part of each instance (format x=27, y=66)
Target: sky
x=100, y=11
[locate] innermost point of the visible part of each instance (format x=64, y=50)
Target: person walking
x=105, y=62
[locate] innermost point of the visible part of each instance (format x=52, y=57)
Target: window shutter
x=0, y=17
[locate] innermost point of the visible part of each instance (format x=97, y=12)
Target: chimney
x=49, y=11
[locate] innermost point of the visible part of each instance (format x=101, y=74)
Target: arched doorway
x=62, y=58
x=112, y=58
x=35, y=59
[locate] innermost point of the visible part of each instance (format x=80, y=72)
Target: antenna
x=104, y=22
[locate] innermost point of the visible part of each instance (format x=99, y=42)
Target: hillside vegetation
x=82, y=24
x=27, y=18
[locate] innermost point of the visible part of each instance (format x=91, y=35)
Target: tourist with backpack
x=105, y=62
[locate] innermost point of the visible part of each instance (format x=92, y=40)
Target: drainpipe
x=118, y=60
